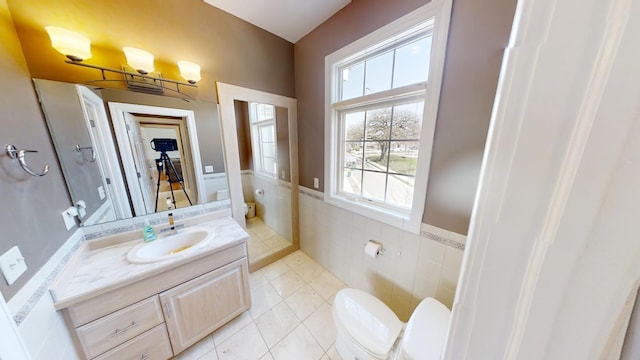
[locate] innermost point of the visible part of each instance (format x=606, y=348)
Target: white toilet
x=368, y=330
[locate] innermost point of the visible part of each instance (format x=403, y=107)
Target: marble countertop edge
x=67, y=290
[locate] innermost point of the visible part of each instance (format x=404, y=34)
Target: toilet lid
x=367, y=320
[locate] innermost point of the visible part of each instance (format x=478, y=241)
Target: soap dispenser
x=148, y=234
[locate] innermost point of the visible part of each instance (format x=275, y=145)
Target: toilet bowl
x=368, y=330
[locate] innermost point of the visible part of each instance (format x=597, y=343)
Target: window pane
x=373, y=185
x=262, y=112
x=407, y=121
x=269, y=165
x=412, y=63
x=352, y=181
x=400, y=190
x=378, y=124
x=354, y=126
x=269, y=149
x=352, y=81
x=267, y=133
x=403, y=157
x=376, y=155
x=353, y=155
x=378, y=73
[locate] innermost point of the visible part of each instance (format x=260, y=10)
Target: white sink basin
x=185, y=241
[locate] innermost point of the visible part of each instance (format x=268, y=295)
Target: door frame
x=118, y=112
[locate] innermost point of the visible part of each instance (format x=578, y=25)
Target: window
x=381, y=103
x=263, y=138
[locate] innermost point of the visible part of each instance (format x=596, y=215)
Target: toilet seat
x=367, y=321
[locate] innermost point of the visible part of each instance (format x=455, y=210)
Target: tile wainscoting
x=410, y=268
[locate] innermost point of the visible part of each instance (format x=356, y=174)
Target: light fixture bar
x=160, y=80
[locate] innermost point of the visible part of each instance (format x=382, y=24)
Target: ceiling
x=289, y=19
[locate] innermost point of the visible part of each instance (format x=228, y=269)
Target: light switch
x=208, y=169
x=101, y=192
x=12, y=265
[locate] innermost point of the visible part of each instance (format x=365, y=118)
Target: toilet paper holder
x=374, y=245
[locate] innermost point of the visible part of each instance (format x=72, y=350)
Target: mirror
x=260, y=133
x=127, y=154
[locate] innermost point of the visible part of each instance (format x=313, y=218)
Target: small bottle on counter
x=148, y=234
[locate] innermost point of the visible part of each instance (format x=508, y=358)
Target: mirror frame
x=227, y=94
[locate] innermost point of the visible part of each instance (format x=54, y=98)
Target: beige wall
x=478, y=34
x=32, y=205
x=228, y=49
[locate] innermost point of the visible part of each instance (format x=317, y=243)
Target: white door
x=101, y=139
x=145, y=178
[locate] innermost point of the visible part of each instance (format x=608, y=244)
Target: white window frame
x=256, y=142
x=440, y=11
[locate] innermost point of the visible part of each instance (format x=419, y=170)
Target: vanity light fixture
x=189, y=71
x=138, y=73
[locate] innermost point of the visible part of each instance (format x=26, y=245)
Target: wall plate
x=12, y=265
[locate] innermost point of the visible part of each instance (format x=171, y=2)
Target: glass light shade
x=71, y=44
x=190, y=71
x=138, y=59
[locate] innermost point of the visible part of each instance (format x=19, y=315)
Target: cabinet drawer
x=152, y=345
x=107, y=332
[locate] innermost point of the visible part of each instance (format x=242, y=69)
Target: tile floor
x=263, y=240
x=290, y=317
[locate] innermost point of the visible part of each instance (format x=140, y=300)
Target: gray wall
x=32, y=205
x=478, y=34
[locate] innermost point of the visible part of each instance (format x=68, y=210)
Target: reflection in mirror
x=263, y=145
x=260, y=132
x=165, y=152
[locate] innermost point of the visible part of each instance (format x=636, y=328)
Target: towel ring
x=14, y=153
x=93, y=152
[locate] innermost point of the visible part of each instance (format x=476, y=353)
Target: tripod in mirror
x=164, y=164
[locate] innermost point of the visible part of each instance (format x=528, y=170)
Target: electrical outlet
x=316, y=183
x=12, y=265
x=68, y=217
x=101, y=192
x=284, y=174
x=208, y=169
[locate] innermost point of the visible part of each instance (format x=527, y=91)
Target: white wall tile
x=411, y=268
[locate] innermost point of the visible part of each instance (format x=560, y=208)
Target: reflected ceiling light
x=70, y=44
x=138, y=73
x=139, y=59
x=189, y=71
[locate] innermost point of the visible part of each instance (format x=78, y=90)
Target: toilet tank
x=426, y=331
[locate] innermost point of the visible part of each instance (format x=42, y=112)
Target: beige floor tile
x=232, y=327
x=197, y=350
x=267, y=356
x=277, y=323
x=263, y=298
x=326, y=285
x=245, y=344
x=308, y=270
x=287, y=284
x=276, y=269
x=304, y=301
x=333, y=353
x=320, y=324
x=299, y=344
x=296, y=259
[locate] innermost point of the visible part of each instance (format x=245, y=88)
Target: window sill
x=397, y=219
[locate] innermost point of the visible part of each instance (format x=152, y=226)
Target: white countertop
x=93, y=272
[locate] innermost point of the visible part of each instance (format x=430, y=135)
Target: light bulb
x=75, y=46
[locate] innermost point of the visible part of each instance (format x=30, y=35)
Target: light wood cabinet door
x=200, y=306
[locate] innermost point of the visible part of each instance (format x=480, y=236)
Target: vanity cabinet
x=198, y=307
x=162, y=315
